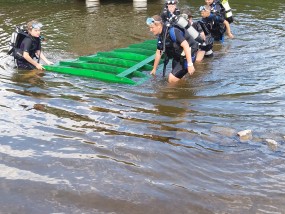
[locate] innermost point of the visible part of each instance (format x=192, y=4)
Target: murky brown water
x=77, y=145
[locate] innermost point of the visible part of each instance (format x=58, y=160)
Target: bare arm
x=202, y=34
x=42, y=56
x=33, y=62
x=156, y=61
x=187, y=51
x=228, y=29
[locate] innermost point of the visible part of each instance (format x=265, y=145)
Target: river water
x=76, y=145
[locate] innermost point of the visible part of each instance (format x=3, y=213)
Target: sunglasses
x=171, y=2
x=150, y=21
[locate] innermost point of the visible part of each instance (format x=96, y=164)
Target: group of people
x=179, y=38
x=185, y=41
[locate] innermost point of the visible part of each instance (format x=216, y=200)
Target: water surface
x=77, y=145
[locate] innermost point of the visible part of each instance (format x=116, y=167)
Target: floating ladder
x=123, y=65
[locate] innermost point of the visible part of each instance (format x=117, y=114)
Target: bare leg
x=200, y=55
x=172, y=78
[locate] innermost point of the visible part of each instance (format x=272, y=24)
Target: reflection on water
x=33, y=77
x=11, y=173
x=92, y=5
x=140, y=5
x=76, y=145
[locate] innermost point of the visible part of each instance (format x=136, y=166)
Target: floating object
x=272, y=144
x=244, y=132
x=245, y=135
x=123, y=65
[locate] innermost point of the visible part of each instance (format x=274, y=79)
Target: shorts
x=179, y=67
x=206, y=47
x=25, y=65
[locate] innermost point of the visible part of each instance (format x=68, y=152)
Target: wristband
x=190, y=64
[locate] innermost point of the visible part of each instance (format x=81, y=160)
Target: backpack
x=16, y=39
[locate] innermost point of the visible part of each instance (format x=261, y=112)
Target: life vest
x=209, y=40
x=216, y=28
x=172, y=48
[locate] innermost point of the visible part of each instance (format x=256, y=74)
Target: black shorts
x=180, y=68
x=206, y=47
x=25, y=65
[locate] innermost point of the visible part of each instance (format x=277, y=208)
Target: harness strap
x=166, y=60
x=172, y=34
x=10, y=51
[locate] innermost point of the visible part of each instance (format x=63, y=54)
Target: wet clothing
x=31, y=45
x=218, y=9
x=197, y=26
x=219, y=29
x=166, y=14
x=173, y=37
x=215, y=25
x=208, y=43
x=179, y=68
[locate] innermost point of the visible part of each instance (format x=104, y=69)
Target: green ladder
x=123, y=65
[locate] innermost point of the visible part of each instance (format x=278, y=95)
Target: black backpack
x=16, y=39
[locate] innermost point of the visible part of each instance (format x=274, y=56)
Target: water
x=76, y=145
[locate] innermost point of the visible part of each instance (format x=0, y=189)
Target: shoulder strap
x=172, y=34
x=21, y=36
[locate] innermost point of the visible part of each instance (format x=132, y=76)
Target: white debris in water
x=272, y=144
x=245, y=135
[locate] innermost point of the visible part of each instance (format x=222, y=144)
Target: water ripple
x=151, y=148
x=12, y=173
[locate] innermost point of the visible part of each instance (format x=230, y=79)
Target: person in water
x=31, y=47
x=177, y=45
x=170, y=9
x=217, y=9
x=214, y=23
x=205, y=47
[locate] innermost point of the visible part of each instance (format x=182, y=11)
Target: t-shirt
x=30, y=45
